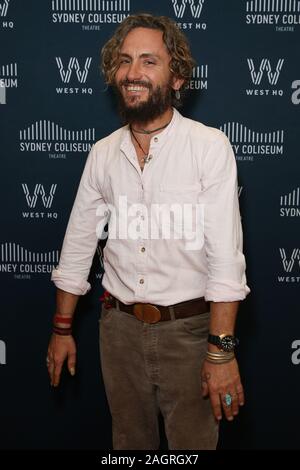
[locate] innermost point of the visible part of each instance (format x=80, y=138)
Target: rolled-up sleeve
x=223, y=237
x=80, y=241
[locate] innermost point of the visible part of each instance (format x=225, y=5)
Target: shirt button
x=142, y=217
x=142, y=281
x=155, y=139
x=143, y=249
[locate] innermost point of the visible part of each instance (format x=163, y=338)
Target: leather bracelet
x=64, y=320
x=62, y=331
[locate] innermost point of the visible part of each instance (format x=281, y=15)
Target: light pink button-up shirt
x=191, y=165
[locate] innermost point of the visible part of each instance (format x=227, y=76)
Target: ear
x=177, y=83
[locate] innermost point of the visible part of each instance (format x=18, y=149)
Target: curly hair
x=181, y=63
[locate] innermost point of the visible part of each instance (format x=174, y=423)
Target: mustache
x=136, y=82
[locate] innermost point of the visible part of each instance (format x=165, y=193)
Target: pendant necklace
x=146, y=158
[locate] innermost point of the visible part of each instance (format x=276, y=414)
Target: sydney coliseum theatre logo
x=47, y=136
x=199, y=79
x=22, y=263
x=90, y=15
x=251, y=144
x=281, y=15
x=290, y=203
x=8, y=80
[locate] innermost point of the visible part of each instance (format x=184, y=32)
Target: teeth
x=131, y=88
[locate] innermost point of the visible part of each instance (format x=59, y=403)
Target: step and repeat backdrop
x=53, y=105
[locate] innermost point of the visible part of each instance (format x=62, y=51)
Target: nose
x=134, y=72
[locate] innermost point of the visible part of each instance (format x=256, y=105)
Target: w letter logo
x=74, y=64
x=265, y=65
x=4, y=7
x=39, y=190
x=289, y=264
x=195, y=9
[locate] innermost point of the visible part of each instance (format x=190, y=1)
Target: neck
x=160, y=121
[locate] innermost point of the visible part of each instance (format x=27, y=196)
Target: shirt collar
x=158, y=139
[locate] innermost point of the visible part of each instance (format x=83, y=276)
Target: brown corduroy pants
x=149, y=368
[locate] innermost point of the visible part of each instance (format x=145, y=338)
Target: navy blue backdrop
x=54, y=105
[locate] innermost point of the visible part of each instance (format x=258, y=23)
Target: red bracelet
x=65, y=320
x=62, y=331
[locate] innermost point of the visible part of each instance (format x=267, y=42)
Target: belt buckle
x=147, y=313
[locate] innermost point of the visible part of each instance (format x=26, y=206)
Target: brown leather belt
x=149, y=313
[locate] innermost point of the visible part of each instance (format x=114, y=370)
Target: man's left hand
x=220, y=382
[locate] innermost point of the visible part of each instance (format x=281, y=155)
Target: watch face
x=228, y=343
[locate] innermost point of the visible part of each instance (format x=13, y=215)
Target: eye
x=149, y=62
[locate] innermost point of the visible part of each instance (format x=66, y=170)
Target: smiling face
x=143, y=81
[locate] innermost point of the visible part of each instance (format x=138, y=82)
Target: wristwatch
x=224, y=342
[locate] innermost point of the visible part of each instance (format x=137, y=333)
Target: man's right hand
x=60, y=348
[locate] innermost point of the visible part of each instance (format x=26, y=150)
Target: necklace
x=146, y=158
x=144, y=131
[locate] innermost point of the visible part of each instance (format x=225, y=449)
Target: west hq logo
x=190, y=12
x=17, y=260
x=8, y=80
x=291, y=265
x=4, y=4
x=73, y=72
x=290, y=204
x=249, y=144
x=4, y=7
x=47, y=136
x=283, y=15
x=264, y=73
x=36, y=198
x=90, y=14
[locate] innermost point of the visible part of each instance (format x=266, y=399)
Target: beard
x=159, y=100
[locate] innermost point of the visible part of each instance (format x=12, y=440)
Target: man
x=160, y=274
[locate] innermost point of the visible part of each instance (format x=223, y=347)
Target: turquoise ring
x=227, y=399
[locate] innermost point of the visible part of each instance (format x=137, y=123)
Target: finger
x=235, y=403
x=72, y=363
x=240, y=394
x=56, y=374
x=216, y=405
x=226, y=398
x=50, y=366
x=204, y=389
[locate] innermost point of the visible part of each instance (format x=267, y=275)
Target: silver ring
x=227, y=399
x=47, y=360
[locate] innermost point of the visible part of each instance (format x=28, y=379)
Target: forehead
x=145, y=40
